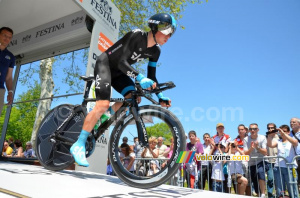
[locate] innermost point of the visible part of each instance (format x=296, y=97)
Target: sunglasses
x=270, y=128
x=253, y=129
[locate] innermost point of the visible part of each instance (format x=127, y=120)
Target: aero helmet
x=163, y=22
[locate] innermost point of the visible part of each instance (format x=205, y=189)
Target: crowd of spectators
x=266, y=174
x=267, y=169
x=14, y=148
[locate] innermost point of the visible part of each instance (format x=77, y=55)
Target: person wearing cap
x=29, y=152
x=113, y=68
x=221, y=137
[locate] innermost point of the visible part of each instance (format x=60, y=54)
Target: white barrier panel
x=105, y=33
x=106, y=27
x=35, y=181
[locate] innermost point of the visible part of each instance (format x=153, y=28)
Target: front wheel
x=147, y=172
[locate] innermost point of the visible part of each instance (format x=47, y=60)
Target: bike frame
x=127, y=102
x=133, y=108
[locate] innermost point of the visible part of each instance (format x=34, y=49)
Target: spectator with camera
x=286, y=149
x=255, y=146
x=240, y=138
x=218, y=173
x=127, y=157
x=236, y=169
x=150, y=153
x=221, y=137
x=295, y=126
x=271, y=152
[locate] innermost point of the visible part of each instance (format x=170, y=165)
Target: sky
x=236, y=62
x=240, y=57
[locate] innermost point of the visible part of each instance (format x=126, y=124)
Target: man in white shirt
x=295, y=125
x=255, y=145
x=161, y=147
x=205, y=174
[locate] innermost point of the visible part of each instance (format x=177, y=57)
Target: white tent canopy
x=22, y=15
x=31, y=17
x=46, y=28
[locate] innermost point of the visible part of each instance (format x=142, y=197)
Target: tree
x=23, y=115
x=46, y=77
x=134, y=13
x=160, y=130
x=47, y=91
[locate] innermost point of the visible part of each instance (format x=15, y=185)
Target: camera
x=274, y=131
x=232, y=145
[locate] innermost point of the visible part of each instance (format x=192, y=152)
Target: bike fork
x=142, y=133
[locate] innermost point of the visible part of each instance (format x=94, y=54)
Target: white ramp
x=19, y=180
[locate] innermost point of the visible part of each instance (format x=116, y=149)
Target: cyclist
x=113, y=67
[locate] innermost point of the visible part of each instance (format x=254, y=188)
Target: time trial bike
x=61, y=127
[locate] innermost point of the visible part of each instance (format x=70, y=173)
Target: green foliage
x=160, y=130
x=134, y=13
x=23, y=115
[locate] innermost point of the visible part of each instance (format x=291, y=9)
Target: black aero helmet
x=162, y=22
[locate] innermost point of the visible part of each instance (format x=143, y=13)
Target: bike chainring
x=90, y=145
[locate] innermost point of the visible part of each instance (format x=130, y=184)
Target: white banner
x=105, y=33
x=104, y=12
x=106, y=27
x=49, y=34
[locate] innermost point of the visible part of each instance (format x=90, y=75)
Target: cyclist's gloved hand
x=163, y=99
x=144, y=82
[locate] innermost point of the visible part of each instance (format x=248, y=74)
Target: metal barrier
x=261, y=163
x=142, y=167
x=274, y=176
x=279, y=183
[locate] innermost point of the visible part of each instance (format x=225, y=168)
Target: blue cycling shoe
x=78, y=152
